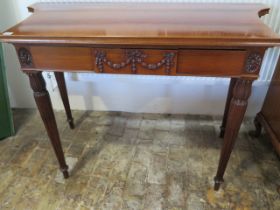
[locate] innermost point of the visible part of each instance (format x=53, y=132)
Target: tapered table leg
x=44, y=105
x=229, y=97
x=237, y=109
x=64, y=96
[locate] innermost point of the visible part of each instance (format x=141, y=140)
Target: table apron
x=244, y=63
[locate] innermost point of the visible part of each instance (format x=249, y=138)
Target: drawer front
x=211, y=62
x=61, y=58
x=135, y=61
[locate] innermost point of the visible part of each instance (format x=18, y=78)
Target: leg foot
x=218, y=183
x=65, y=172
x=71, y=123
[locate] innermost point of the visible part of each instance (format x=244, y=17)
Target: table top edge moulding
x=164, y=25
x=171, y=39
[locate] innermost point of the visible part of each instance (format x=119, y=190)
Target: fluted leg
x=44, y=105
x=237, y=109
x=64, y=96
x=229, y=97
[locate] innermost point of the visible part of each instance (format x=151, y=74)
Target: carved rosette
x=25, y=57
x=253, y=63
x=133, y=59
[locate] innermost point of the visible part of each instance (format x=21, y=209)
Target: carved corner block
x=254, y=62
x=25, y=57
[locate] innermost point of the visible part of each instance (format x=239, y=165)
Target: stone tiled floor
x=135, y=161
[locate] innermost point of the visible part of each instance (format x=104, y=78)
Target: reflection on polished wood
x=151, y=23
x=178, y=39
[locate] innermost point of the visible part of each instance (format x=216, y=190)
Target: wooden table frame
x=235, y=56
x=236, y=104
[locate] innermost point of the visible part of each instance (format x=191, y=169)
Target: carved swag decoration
x=134, y=58
x=25, y=57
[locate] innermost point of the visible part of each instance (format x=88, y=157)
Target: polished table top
x=184, y=24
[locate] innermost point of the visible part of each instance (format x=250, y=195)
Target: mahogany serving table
x=178, y=39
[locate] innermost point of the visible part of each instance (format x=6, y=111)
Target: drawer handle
x=134, y=57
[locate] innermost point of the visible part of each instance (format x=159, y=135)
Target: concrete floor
x=135, y=161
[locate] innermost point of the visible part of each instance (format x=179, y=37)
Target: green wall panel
x=6, y=122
